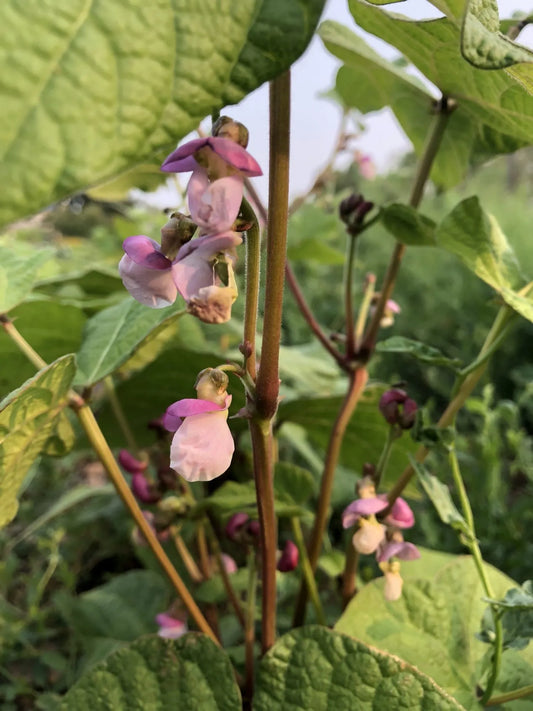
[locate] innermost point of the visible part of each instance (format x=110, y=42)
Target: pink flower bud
x=170, y=627
x=143, y=490
x=289, y=558
x=128, y=462
x=397, y=408
x=236, y=524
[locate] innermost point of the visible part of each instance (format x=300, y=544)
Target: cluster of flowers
x=200, y=269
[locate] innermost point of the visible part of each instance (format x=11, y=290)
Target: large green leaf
x=114, y=334
x=433, y=625
x=488, y=97
x=53, y=329
x=319, y=669
x=18, y=275
x=93, y=88
x=163, y=674
x=365, y=435
x=482, y=43
x=27, y=419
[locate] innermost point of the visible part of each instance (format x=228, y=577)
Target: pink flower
x=401, y=514
x=184, y=158
x=147, y=273
x=369, y=535
x=397, y=408
x=214, y=205
x=289, y=558
x=230, y=566
x=362, y=507
x=397, y=549
x=236, y=525
x=170, y=627
x=366, y=165
x=204, y=276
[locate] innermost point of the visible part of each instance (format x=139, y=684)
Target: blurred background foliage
x=71, y=535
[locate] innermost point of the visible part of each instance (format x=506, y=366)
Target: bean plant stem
x=473, y=545
x=230, y=591
x=253, y=259
x=102, y=449
x=307, y=570
x=120, y=417
x=356, y=386
x=249, y=627
x=350, y=569
x=433, y=142
x=348, y=297
x=510, y=696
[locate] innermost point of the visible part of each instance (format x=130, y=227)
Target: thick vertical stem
x=357, y=383
x=278, y=210
x=253, y=260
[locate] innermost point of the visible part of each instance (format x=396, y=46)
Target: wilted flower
x=288, y=559
x=203, y=446
x=170, y=627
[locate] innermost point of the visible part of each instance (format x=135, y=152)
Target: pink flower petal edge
x=361, y=507
x=180, y=160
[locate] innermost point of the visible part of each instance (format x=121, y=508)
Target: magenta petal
x=214, y=205
x=235, y=155
x=398, y=549
x=182, y=159
x=289, y=558
x=203, y=447
x=401, y=514
x=192, y=406
x=171, y=423
x=361, y=507
x=128, y=462
x=146, y=252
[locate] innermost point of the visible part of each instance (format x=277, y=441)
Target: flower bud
x=143, y=490
x=397, y=408
x=128, y=462
x=211, y=384
x=289, y=558
x=353, y=209
x=235, y=525
x=226, y=127
x=175, y=233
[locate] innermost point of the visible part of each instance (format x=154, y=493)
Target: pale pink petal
x=393, y=586
x=192, y=406
x=230, y=566
x=214, y=205
x=202, y=448
x=146, y=252
x=368, y=537
x=170, y=627
x=151, y=287
x=361, y=507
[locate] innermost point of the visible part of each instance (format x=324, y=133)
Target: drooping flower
x=389, y=312
x=397, y=408
x=288, y=559
x=202, y=447
x=170, y=627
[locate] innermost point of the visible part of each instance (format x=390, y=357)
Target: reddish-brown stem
x=350, y=569
x=356, y=386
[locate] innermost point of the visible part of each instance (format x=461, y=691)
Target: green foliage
x=432, y=626
x=409, y=225
x=27, y=420
x=439, y=495
x=420, y=351
x=18, y=275
x=191, y=672
x=346, y=674
x=73, y=121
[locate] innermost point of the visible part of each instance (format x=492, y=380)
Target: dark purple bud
x=246, y=349
x=289, y=558
x=143, y=490
x=128, y=462
x=397, y=408
x=362, y=210
x=348, y=207
x=253, y=529
x=235, y=526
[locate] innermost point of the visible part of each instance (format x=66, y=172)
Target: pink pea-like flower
x=170, y=627
x=183, y=160
x=362, y=507
x=289, y=557
x=147, y=273
x=203, y=446
x=401, y=514
x=397, y=549
x=214, y=205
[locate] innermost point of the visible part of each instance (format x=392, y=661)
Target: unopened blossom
x=170, y=627
x=130, y=463
x=389, y=312
x=397, y=408
x=230, y=566
x=288, y=559
x=202, y=447
x=236, y=525
x=140, y=540
x=143, y=490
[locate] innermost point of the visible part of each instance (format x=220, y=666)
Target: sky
x=315, y=119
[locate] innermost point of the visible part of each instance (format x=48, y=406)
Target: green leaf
x=370, y=83
x=440, y=497
x=68, y=500
x=315, y=250
x=408, y=225
x=365, y=434
x=114, y=334
x=53, y=329
x=293, y=482
x=163, y=674
x=492, y=98
x=482, y=43
x=433, y=624
x=97, y=88
x=213, y=591
x=145, y=177
x=27, y=419
x=235, y=496
x=476, y=238
x=420, y=351
x=62, y=438
x=516, y=610
x=18, y=275
x=317, y=668
x=516, y=597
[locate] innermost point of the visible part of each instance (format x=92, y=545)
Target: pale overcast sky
x=315, y=120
